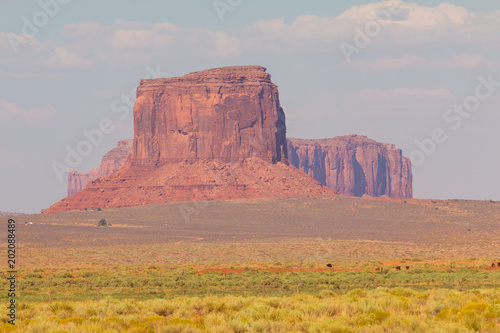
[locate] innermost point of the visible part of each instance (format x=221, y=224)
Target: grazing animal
x=377, y=269
x=329, y=265
x=492, y=265
x=498, y=264
x=407, y=267
x=398, y=268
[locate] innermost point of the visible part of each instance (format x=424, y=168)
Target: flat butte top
x=346, y=140
x=241, y=75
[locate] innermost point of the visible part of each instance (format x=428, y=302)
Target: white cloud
x=409, y=14
x=226, y=45
x=131, y=42
x=464, y=61
x=139, y=39
x=412, y=26
x=166, y=26
x=407, y=24
x=10, y=112
x=121, y=44
x=275, y=26
x=12, y=43
x=310, y=27
x=62, y=57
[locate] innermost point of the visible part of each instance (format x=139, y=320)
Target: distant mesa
x=354, y=165
x=209, y=135
x=111, y=162
x=5, y=214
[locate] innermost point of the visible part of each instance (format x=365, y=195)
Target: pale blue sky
x=65, y=78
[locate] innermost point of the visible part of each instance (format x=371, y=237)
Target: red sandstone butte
x=354, y=165
x=214, y=134
x=111, y=162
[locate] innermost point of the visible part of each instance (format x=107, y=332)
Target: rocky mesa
x=112, y=161
x=354, y=165
x=214, y=134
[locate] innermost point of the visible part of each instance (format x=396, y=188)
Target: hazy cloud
x=123, y=43
x=11, y=112
x=409, y=24
x=62, y=57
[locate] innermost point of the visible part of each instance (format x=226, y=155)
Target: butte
x=216, y=134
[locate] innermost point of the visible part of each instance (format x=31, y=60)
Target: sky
x=423, y=75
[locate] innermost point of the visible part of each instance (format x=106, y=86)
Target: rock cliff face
x=111, y=162
x=354, y=165
x=214, y=134
x=225, y=114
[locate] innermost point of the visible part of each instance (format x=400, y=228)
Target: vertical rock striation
x=225, y=114
x=354, y=165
